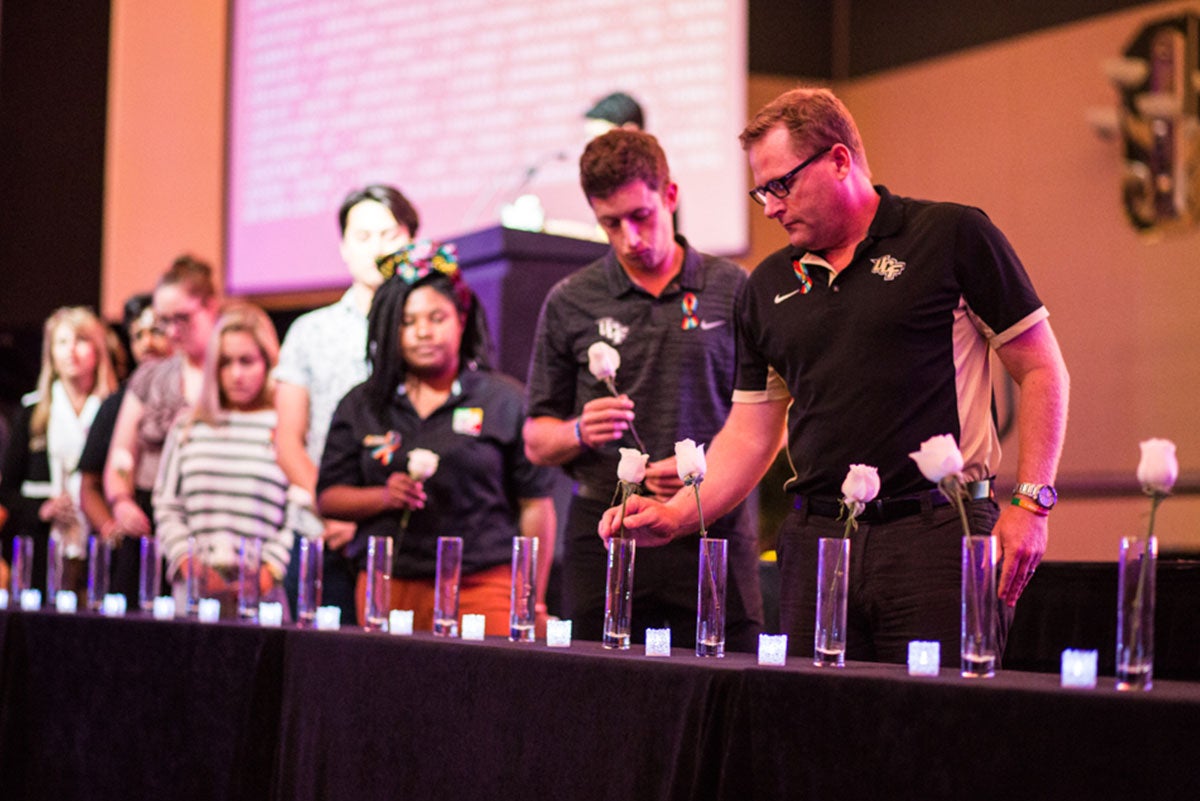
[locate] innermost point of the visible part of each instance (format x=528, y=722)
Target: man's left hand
x=1022, y=536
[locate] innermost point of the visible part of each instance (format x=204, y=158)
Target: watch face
x=1047, y=497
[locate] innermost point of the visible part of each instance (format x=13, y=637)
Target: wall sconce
x=1157, y=117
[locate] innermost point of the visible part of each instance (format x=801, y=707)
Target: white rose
x=422, y=464
x=689, y=460
x=1158, y=468
x=300, y=497
x=860, y=486
x=939, y=457
x=603, y=361
x=632, y=467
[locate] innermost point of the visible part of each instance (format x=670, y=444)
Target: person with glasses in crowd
x=868, y=334
x=186, y=306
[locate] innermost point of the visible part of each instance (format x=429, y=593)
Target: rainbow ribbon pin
x=688, y=304
x=802, y=276
x=383, y=446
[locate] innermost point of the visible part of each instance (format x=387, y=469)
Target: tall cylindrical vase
x=21, y=565
x=248, y=585
x=618, y=593
x=54, y=569
x=99, y=561
x=149, y=573
x=378, y=601
x=833, y=586
x=710, y=597
x=311, y=574
x=445, y=586
x=979, y=607
x=1135, y=613
x=522, y=608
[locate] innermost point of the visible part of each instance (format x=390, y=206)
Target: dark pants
x=905, y=582
x=125, y=563
x=664, y=581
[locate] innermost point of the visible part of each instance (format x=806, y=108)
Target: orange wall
x=1002, y=127
x=163, y=171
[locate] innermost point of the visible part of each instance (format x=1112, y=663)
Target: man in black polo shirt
x=668, y=310
x=867, y=336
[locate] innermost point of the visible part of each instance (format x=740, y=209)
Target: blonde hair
x=814, y=119
x=87, y=325
x=250, y=319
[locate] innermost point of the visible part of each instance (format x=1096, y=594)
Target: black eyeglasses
x=780, y=186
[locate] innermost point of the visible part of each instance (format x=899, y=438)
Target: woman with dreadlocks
x=431, y=388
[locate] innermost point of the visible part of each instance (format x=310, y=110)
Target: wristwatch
x=1043, y=495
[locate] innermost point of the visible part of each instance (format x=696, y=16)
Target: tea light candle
x=209, y=610
x=772, y=649
x=329, y=618
x=473, y=627
x=114, y=605
x=924, y=658
x=400, y=621
x=31, y=600
x=658, y=642
x=164, y=608
x=1079, y=669
x=66, y=602
x=558, y=633
x=270, y=614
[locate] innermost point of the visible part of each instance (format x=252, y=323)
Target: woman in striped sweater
x=219, y=482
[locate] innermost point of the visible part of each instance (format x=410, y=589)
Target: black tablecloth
x=96, y=708
x=118, y=709
x=1074, y=605
x=496, y=719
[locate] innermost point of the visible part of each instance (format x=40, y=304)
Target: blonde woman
x=220, y=480
x=39, y=485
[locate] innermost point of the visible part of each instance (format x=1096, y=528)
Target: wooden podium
x=512, y=271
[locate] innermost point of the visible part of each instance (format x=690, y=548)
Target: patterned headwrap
x=424, y=257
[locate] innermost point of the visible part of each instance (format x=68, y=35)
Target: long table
x=103, y=708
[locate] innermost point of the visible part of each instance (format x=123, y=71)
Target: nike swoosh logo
x=708, y=325
x=782, y=298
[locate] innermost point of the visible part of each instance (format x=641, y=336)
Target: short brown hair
x=614, y=159
x=813, y=117
x=193, y=275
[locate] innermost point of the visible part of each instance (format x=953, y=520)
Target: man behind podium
x=668, y=310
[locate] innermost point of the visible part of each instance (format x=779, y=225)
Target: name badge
x=468, y=420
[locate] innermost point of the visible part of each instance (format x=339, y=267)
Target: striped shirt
x=220, y=482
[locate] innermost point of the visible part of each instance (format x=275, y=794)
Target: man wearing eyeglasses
x=667, y=309
x=867, y=335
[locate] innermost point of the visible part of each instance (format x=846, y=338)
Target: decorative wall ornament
x=1158, y=118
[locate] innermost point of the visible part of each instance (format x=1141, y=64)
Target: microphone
x=533, y=169
x=500, y=187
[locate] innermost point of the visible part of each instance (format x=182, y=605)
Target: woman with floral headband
x=431, y=388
